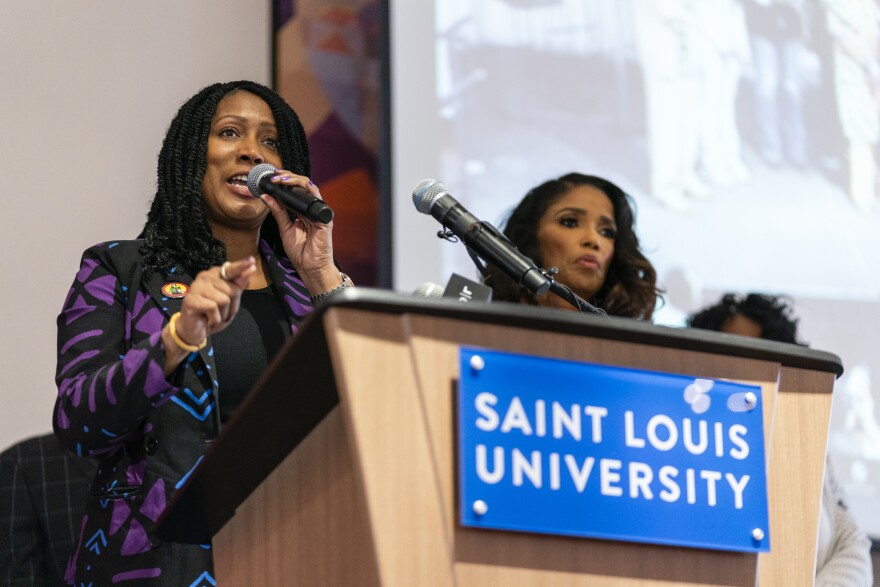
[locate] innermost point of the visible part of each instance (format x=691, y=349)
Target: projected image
x=746, y=132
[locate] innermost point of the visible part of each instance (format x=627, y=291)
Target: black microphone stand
x=560, y=289
x=565, y=292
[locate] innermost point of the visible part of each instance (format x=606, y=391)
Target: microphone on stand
x=430, y=197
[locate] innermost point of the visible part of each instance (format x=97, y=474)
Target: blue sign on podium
x=576, y=449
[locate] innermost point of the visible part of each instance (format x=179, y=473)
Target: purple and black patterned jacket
x=148, y=432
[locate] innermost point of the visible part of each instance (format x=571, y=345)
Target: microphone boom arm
x=484, y=241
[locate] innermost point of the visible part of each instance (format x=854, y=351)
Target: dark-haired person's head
x=195, y=163
x=584, y=226
x=756, y=315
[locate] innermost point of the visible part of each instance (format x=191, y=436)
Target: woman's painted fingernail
x=310, y=182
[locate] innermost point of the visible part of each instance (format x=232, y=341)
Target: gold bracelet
x=346, y=282
x=172, y=330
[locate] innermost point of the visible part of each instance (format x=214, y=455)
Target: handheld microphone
x=430, y=197
x=294, y=198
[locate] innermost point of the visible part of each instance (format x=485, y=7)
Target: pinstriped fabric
x=149, y=432
x=43, y=490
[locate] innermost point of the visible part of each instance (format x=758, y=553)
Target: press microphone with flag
x=294, y=198
x=457, y=288
x=430, y=197
x=465, y=290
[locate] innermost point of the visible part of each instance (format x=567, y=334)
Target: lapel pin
x=175, y=289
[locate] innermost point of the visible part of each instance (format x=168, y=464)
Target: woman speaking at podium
x=160, y=338
x=584, y=226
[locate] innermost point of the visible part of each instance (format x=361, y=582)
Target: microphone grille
x=255, y=175
x=428, y=290
x=426, y=193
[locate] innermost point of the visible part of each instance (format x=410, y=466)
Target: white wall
x=89, y=88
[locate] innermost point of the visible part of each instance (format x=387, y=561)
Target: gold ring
x=223, y=269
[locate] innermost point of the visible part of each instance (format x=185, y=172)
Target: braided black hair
x=176, y=232
x=630, y=287
x=773, y=314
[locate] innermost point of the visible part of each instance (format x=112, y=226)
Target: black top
x=246, y=346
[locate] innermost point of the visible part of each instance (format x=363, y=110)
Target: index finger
x=241, y=268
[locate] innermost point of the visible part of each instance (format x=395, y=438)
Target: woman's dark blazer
x=147, y=431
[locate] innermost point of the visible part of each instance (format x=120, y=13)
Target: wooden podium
x=339, y=468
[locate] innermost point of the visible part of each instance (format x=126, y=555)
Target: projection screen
x=745, y=132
